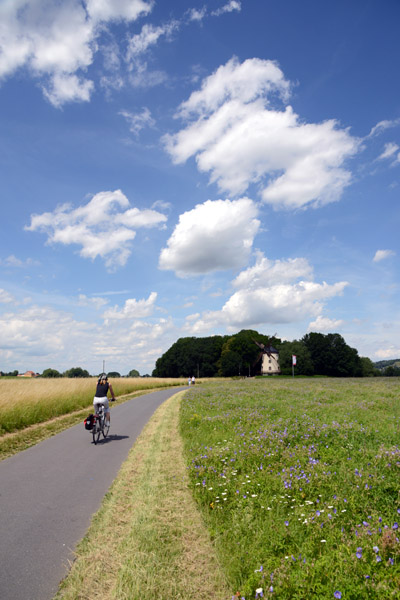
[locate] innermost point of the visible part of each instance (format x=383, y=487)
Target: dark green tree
x=367, y=367
x=304, y=364
x=76, y=372
x=114, y=374
x=133, y=373
x=51, y=373
x=331, y=355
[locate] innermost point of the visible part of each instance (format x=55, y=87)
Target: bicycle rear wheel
x=96, y=431
x=106, y=428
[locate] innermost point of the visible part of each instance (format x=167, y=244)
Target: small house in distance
x=268, y=358
x=28, y=374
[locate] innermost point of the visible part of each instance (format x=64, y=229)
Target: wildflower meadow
x=298, y=483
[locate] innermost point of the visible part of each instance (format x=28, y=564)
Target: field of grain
x=298, y=483
x=25, y=402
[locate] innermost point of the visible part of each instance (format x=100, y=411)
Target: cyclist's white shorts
x=103, y=400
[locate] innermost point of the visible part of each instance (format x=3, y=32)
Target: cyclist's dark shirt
x=101, y=390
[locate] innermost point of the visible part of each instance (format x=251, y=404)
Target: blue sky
x=171, y=169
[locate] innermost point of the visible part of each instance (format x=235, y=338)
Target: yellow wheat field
x=24, y=402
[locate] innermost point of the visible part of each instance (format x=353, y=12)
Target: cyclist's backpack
x=89, y=422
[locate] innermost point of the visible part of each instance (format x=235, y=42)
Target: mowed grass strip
x=148, y=541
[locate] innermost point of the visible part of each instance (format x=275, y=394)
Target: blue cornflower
x=337, y=594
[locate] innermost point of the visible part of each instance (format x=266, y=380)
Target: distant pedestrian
x=189, y=380
x=193, y=380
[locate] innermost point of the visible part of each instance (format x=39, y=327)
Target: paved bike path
x=49, y=493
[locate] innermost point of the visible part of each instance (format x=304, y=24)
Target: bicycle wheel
x=106, y=428
x=96, y=431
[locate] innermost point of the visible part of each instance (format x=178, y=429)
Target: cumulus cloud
x=214, y=236
x=236, y=134
x=132, y=309
x=58, y=41
x=382, y=255
x=325, y=324
x=271, y=292
x=40, y=337
x=283, y=303
x=104, y=227
x=267, y=272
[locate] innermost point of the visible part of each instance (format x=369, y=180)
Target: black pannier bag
x=89, y=422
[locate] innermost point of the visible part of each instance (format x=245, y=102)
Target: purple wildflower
x=287, y=523
x=395, y=526
x=337, y=594
x=359, y=553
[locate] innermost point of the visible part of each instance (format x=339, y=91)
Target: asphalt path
x=49, y=493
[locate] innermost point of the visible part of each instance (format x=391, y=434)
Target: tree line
x=238, y=355
x=74, y=372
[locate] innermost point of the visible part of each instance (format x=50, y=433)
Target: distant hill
x=382, y=364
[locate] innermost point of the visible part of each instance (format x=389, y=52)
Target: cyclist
x=101, y=395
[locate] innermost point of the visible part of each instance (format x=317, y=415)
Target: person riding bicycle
x=101, y=395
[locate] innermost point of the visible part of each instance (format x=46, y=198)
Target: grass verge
x=147, y=542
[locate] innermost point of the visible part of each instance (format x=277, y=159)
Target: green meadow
x=298, y=484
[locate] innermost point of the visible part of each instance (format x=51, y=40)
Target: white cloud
x=138, y=121
x=270, y=292
x=382, y=255
x=214, y=236
x=94, y=302
x=383, y=126
x=283, y=303
x=133, y=309
x=6, y=297
x=195, y=14
x=13, y=261
x=325, y=324
x=229, y=7
x=389, y=149
x=388, y=352
x=239, y=138
x=58, y=41
x=149, y=36
x=129, y=10
x=42, y=337
x=267, y=272
x=103, y=227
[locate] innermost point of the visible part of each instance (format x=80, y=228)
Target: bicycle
x=100, y=425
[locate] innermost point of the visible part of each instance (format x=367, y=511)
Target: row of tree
x=78, y=372
x=75, y=372
x=226, y=356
